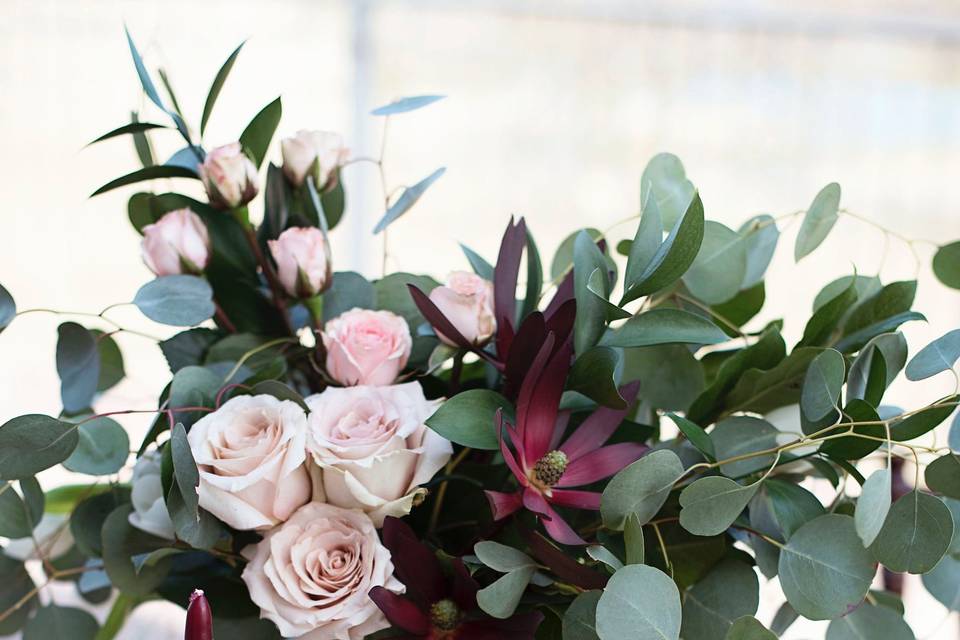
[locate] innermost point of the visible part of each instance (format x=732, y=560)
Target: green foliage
x=255, y=139
x=20, y=514
x=664, y=183
x=818, y=221
x=915, y=535
x=102, y=448
x=718, y=271
x=580, y=619
x=193, y=524
x=943, y=475
x=591, y=317
x=873, y=506
x=822, y=385
x=939, y=355
x=217, y=85
x=468, y=418
x=180, y=300
x=53, y=621
x=31, y=443
x=407, y=199
x=348, y=290
x=710, y=505
x=640, y=489
x=946, y=264
x=78, y=365
x=870, y=621
x=8, y=308
x=744, y=436
x=639, y=602
x=594, y=374
x=710, y=607
x=670, y=375
x=748, y=628
x=664, y=326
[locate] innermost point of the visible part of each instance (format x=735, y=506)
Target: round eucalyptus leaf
x=822, y=384
x=111, y=361
x=61, y=622
x=818, y=221
x=121, y=543
x=8, y=308
x=102, y=448
x=78, y=365
x=31, y=443
x=710, y=607
x=760, y=235
x=824, y=569
x=87, y=518
x=664, y=180
x=710, y=505
x=943, y=475
x=640, y=603
x=180, y=300
x=580, y=619
x=939, y=355
x=563, y=258
x=500, y=557
x=742, y=435
x=19, y=515
x=749, y=628
x=873, y=506
x=943, y=582
x=501, y=598
x=720, y=266
x=790, y=505
x=640, y=488
x=670, y=376
x=946, y=264
x=916, y=534
x=870, y=621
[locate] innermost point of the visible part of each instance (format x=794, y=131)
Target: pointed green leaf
x=822, y=385
x=217, y=85
x=256, y=138
x=818, y=220
x=939, y=355
x=873, y=506
x=147, y=173
x=407, y=199
x=664, y=326
x=664, y=182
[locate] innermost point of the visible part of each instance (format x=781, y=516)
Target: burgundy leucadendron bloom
x=545, y=468
x=437, y=607
x=199, y=618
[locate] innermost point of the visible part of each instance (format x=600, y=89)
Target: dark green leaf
x=193, y=524
x=78, y=365
x=141, y=144
x=61, y=622
x=111, y=360
x=121, y=542
x=591, y=316
x=102, y=448
x=822, y=385
x=179, y=300
x=468, y=418
x=748, y=628
x=943, y=475
x=645, y=243
x=710, y=607
x=888, y=352
x=480, y=266
x=939, y=355
x=403, y=105
x=762, y=391
x=818, y=220
x=943, y=582
x=15, y=589
x=892, y=300
x=853, y=447
x=669, y=374
x=348, y=290
x=407, y=199
x=217, y=85
x=821, y=327
x=741, y=308
x=696, y=435
x=133, y=127
x=946, y=265
x=193, y=387
x=19, y=515
x=187, y=348
x=824, y=570
x=633, y=542
x=86, y=520
x=664, y=326
x=33, y=442
x=280, y=391
x=640, y=489
x=640, y=603
x=924, y=421
x=857, y=339
x=594, y=375
x=790, y=505
x=873, y=506
x=531, y=298
x=915, y=535
x=256, y=138
x=8, y=308
x=870, y=621
x=147, y=173
x=580, y=619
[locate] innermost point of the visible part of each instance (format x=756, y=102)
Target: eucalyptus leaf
x=760, y=236
x=891, y=350
x=818, y=220
x=500, y=599
x=873, y=505
x=744, y=435
x=916, y=534
x=102, y=448
x=824, y=569
x=946, y=264
x=255, y=139
x=563, y=258
x=924, y=421
x=640, y=603
x=500, y=557
x=348, y=290
x=943, y=582
x=748, y=628
x=670, y=376
x=645, y=243
x=19, y=515
x=468, y=418
x=178, y=300
x=33, y=442
x=407, y=199
x=591, y=318
x=633, y=540
x=640, y=488
x=664, y=182
x=664, y=326
x=696, y=435
x=939, y=355
x=580, y=618
x=8, y=308
x=604, y=555
x=54, y=621
x=710, y=607
x=720, y=267
x=711, y=504
x=943, y=475
x=790, y=506
x=822, y=385
x=217, y=85
x=594, y=375
x=78, y=365
x=403, y=105
x=870, y=621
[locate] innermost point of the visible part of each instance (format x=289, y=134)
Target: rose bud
x=229, y=177
x=467, y=302
x=316, y=153
x=199, y=618
x=303, y=261
x=176, y=243
x=366, y=347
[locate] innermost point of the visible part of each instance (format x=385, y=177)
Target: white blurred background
x=554, y=108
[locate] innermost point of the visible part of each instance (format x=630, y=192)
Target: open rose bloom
x=316, y=153
x=370, y=449
x=311, y=575
x=366, y=347
x=250, y=453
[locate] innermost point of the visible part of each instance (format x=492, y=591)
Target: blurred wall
x=554, y=108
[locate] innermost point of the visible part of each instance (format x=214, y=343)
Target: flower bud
x=303, y=261
x=176, y=243
x=467, y=302
x=199, y=619
x=229, y=177
x=316, y=153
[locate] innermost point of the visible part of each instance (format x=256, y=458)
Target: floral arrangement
x=601, y=450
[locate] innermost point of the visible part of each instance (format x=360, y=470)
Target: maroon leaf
x=415, y=564
x=562, y=565
x=400, y=611
x=505, y=275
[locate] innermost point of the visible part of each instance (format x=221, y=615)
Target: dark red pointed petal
x=556, y=526
x=199, y=618
x=414, y=563
x=435, y=317
x=465, y=588
x=601, y=424
x=562, y=565
x=561, y=321
x=601, y=463
x=559, y=429
x=523, y=351
x=505, y=283
x=576, y=499
x=507, y=454
x=521, y=626
x=503, y=504
x=529, y=388
x=400, y=611
x=545, y=404
x=564, y=294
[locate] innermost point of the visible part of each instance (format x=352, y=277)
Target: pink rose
x=303, y=261
x=176, y=243
x=250, y=454
x=370, y=448
x=312, y=574
x=229, y=177
x=467, y=302
x=316, y=153
x=366, y=347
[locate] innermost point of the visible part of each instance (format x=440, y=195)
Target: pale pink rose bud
x=467, y=302
x=366, y=347
x=229, y=176
x=303, y=261
x=316, y=153
x=176, y=243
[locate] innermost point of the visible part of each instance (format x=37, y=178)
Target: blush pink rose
x=250, y=454
x=229, y=176
x=316, y=153
x=176, y=243
x=303, y=261
x=370, y=449
x=312, y=574
x=467, y=302
x=366, y=347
